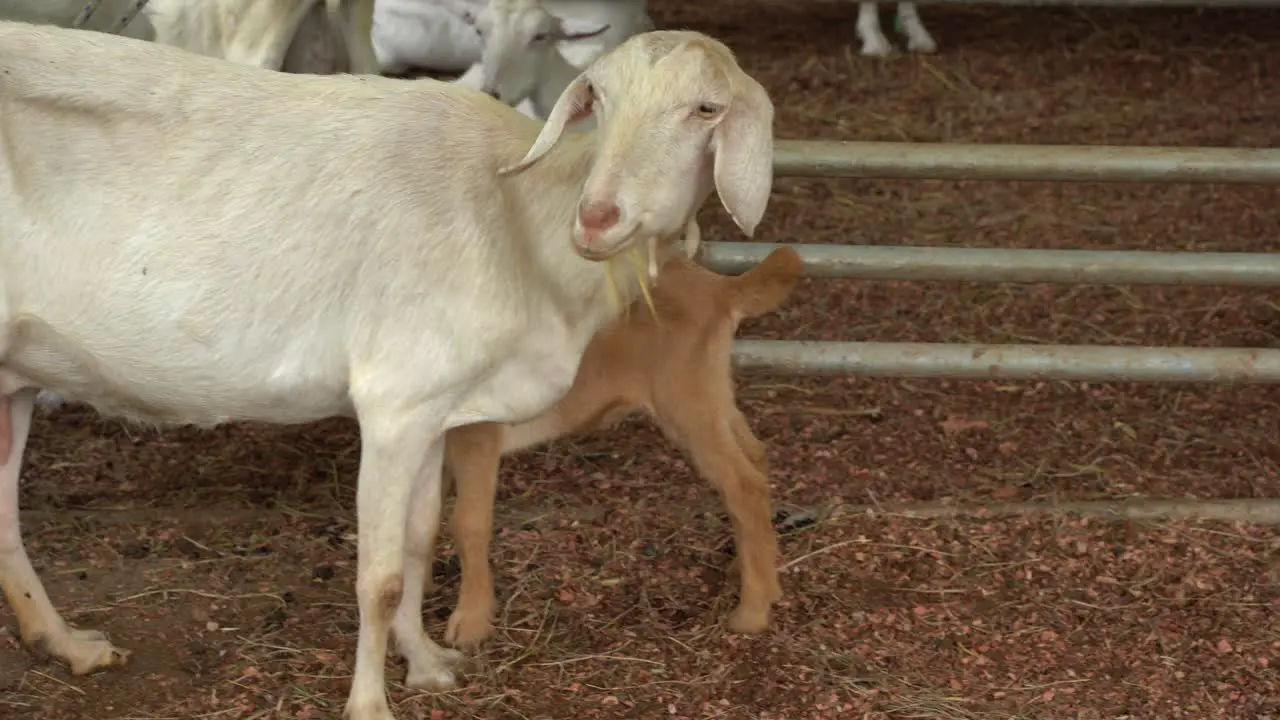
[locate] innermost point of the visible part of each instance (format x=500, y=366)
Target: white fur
x=439, y=35
x=425, y=34
x=260, y=32
x=188, y=240
x=64, y=12
x=624, y=18
x=875, y=44
x=522, y=64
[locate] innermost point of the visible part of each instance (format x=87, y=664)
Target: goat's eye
x=708, y=111
x=540, y=37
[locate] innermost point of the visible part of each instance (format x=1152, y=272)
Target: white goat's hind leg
x=41, y=627
x=874, y=42
x=391, y=463
x=430, y=666
x=910, y=24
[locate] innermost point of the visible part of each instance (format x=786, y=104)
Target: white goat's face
x=675, y=114
x=518, y=37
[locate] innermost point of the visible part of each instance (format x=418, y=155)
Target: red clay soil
x=225, y=559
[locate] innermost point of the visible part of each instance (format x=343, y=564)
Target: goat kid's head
x=518, y=37
x=675, y=116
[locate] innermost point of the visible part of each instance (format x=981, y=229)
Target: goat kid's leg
x=747, y=440
x=41, y=627
x=474, y=455
x=430, y=666
x=909, y=24
x=717, y=453
x=392, y=463
x=874, y=43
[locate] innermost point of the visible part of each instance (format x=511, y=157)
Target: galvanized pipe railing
x=1094, y=363
x=1062, y=163
x=1110, y=3
x=1016, y=162
x=1113, y=267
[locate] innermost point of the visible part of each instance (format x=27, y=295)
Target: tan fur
x=675, y=367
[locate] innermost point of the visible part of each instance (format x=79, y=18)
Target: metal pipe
x=1012, y=362
x=880, y=262
x=1110, y=3
x=1065, y=163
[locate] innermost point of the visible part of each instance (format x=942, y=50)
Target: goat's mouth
x=602, y=255
x=621, y=245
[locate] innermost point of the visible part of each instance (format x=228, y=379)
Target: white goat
x=262, y=32
x=430, y=34
x=260, y=247
x=622, y=18
x=63, y=13
x=521, y=60
x=440, y=35
x=908, y=23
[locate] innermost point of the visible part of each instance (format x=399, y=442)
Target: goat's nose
x=599, y=216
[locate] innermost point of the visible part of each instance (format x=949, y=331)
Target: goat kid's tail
x=763, y=288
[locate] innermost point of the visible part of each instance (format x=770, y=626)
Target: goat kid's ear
x=574, y=105
x=743, y=147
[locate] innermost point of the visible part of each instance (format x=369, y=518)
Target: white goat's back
x=63, y=12
x=232, y=230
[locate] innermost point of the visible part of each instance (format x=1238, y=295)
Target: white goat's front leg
x=874, y=42
x=391, y=464
x=430, y=666
x=909, y=24
x=42, y=629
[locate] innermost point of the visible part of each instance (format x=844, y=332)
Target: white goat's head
x=675, y=116
x=519, y=37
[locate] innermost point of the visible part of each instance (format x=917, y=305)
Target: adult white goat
x=263, y=32
x=522, y=60
x=908, y=23
x=261, y=247
x=440, y=35
x=107, y=15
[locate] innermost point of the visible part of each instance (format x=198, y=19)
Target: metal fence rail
x=1064, y=163
x=1016, y=162
x=1109, y=3
x=881, y=262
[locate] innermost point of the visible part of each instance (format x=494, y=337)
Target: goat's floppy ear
x=743, y=147
x=574, y=104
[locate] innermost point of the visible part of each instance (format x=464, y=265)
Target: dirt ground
x=225, y=560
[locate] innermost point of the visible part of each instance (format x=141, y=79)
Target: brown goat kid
x=677, y=368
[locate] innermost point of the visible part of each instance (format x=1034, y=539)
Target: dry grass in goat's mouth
x=643, y=262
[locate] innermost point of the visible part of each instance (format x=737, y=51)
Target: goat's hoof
x=84, y=651
x=922, y=45
x=438, y=674
x=748, y=621
x=368, y=711
x=879, y=48
x=88, y=651
x=467, y=629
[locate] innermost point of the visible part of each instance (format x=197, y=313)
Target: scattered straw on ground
x=225, y=559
